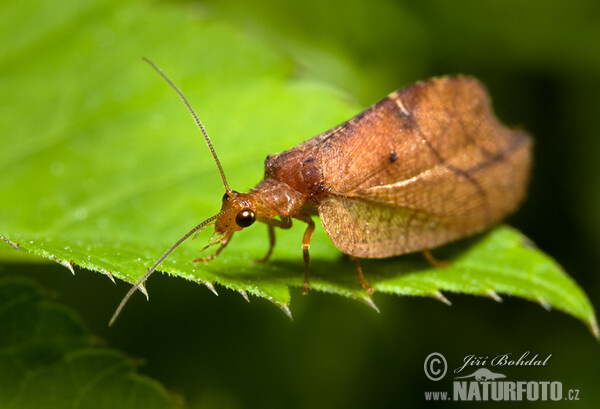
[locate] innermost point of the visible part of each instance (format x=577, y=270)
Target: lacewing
x=426, y=165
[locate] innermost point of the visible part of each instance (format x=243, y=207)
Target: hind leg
x=361, y=276
x=434, y=261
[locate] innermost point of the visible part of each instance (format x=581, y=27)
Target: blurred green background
x=541, y=63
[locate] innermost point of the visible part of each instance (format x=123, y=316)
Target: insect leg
x=434, y=261
x=361, y=277
x=306, y=245
x=224, y=244
x=284, y=223
x=271, y=229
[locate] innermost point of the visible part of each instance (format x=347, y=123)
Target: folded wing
x=427, y=165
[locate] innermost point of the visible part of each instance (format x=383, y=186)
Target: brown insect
x=427, y=165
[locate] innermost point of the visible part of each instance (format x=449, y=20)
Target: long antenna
x=151, y=270
x=189, y=107
x=155, y=266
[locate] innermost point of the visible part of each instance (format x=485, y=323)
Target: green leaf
x=47, y=359
x=106, y=169
x=502, y=261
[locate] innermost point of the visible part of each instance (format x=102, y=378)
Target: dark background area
x=541, y=64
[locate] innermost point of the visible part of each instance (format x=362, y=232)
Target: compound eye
x=225, y=197
x=245, y=218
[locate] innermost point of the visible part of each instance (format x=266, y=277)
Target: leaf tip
x=370, y=303
x=545, y=304
x=244, y=294
x=440, y=297
x=528, y=243
x=593, y=326
x=109, y=275
x=493, y=295
x=142, y=288
x=67, y=264
x=210, y=286
x=285, y=308
x=10, y=243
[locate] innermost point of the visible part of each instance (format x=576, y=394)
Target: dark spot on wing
x=392, y=158
x=408, y=120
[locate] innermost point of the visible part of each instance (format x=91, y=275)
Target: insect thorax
x=277, y=198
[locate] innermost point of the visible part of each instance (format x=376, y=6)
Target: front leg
x=310, y=228
x=224, y=242
x=271, y=231
x=284, y=223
